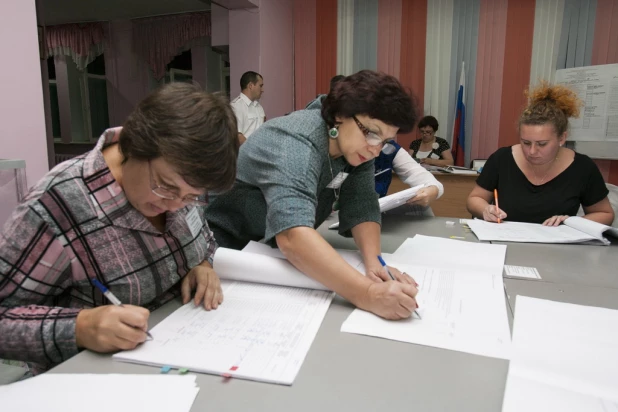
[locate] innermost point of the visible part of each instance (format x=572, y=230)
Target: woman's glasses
x=375, y=140
x=170, y=194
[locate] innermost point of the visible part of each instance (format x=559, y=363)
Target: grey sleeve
x=358, y=200
x=287, y=173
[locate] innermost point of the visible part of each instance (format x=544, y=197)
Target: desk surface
x=347, y=372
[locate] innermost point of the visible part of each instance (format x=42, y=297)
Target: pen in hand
x=496, y=202
x=113, y=299
x=383, y=263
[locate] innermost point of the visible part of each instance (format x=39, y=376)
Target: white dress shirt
x=249, y=114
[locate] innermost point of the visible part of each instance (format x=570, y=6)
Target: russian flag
x=459, y=128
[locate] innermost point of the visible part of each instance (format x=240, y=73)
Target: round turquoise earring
x=333, y=133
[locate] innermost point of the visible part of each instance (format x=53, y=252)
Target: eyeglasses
x=425, y=131
x=375, y=140
x=168, y=194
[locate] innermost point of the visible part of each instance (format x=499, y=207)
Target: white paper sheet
x=462, y=311
x=451, y=254
x=261, y=332
x=100, y=393
x=353, y=257
x=242, y=266
x=521, y=272
x=564, y=358
x=397, y=199
x=529, y=233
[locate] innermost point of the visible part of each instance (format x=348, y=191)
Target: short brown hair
x=192, y=130
x=552, y=104
x=377, y=95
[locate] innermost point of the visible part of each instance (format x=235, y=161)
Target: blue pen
x=383, y=263
x=112, y=298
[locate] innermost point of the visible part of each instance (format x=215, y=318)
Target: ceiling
x=51, y=12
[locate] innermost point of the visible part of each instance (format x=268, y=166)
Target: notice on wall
x=597, y=86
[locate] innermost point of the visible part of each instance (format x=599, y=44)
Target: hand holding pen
x=383, y=263
x=493, y=213
x=111, y=327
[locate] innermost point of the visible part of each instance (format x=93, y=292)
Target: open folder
x=392, y=201
x=262, y=331
x=574, y=230
x=458, y=170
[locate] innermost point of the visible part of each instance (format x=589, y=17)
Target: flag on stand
x=459, y=128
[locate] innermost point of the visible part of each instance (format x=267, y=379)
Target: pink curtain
x=83, y=42
x=158, y=39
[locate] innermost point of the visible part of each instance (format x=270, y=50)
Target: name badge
x=338, y=180
x=194, y=222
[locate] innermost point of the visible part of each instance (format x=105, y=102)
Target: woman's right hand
x=111, y=328
x=391, y=300
x=491, y=214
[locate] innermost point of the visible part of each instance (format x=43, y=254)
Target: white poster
x=597, y=86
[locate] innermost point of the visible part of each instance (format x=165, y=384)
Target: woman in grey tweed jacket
x=295, y=169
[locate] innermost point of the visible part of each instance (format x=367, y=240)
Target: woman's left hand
x=555, y=220
x=204, y=280
x=378, y=273
x=424, y=197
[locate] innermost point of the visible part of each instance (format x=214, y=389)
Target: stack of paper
x=262, y=331
x=392, y=201
x=100, y=393
x=564, y=358
x=461, y=298
x=574, y=230
x=397, y=199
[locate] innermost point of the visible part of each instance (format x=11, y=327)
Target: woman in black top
x=539, y=180
x=431, y=149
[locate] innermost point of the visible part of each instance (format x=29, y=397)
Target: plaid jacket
x=76, y=224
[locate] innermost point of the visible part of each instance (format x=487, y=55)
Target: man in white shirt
x=249, y=112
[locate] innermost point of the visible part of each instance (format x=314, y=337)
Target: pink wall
x=277, y=56
x=244, y=47
x=219, y=25
x=21, y=100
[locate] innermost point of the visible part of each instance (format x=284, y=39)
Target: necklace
x=330, y=166
x=546, y=174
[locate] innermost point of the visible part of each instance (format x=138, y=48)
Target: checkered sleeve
x=34, y=271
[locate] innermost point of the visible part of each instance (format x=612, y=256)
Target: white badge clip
x=194, y=222
x=338, y=180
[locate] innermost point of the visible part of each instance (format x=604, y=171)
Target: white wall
x=21, y=97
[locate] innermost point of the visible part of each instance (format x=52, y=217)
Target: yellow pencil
x=496, y=202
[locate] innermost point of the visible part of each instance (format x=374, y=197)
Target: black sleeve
x=488, y=179
x=413, y=146
x=594, y=189
x=443, y=146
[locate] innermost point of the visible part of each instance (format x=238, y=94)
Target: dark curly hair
x=377, y=95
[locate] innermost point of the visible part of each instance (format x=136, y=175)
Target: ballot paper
x=564, y=358
x=262, y=331
x=462, y=306
x=53, y=392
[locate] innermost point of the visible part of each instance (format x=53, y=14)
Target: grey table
x=582, y=265
x=346, y=372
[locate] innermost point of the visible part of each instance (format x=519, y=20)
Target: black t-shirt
x=580, y=183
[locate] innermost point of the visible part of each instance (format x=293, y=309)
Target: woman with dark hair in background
x=295, y=169
x=130, y=214
x=430, y=149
